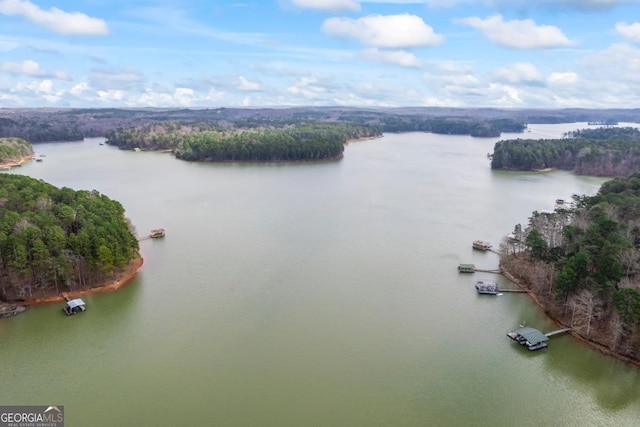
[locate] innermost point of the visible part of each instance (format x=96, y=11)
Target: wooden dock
x=471, y=268
x=557, y=332
x=497, y=271
x=154, y=234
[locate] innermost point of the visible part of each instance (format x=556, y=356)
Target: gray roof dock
x=532, y=335
x=532, y=338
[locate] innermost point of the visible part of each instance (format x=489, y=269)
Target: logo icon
x=32, y=416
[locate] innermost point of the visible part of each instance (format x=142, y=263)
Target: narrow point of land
x=14, y=163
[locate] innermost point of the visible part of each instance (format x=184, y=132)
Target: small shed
x=74, y=306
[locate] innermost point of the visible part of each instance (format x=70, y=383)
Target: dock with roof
x=532, y=338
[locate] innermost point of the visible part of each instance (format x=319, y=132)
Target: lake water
x=321, y=294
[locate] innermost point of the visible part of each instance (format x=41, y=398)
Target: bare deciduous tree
x=584, y=309
x=630, y=260
x=616, y=328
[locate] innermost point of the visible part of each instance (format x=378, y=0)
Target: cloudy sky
x=212, y=53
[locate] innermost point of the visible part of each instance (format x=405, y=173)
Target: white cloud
x=79, y=88
x=397, y=57
x=32, y=69
x=110, y=95
x=564, y=4
x=519, y=34
x=70, y=23
x=629, y=31
x=183, y=96
x=563, y=78
x=386, y=31
x=45, y=86
x=308, y=87
x=461, y=80
x=618, y=63
x=521, y=72
x=451, y=67
x=246, y=85
x=586, y=5
x=329, y=5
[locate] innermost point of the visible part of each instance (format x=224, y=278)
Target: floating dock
x=481, y=245
x=467, y=268
x=471, y=268
x=532, y=338
x=154, y=234
x=158, y=232
x=485, y=287
x=74, y=306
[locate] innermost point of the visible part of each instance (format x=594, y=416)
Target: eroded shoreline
x=14, y=163
x=123, y=278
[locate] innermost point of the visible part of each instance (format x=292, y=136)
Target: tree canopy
x=57, y=238
x=300, y=141
x=587, y=260
x=14, y=149
x=606, y=151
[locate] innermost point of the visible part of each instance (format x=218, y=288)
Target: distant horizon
x=502, y=54
x=283, y=107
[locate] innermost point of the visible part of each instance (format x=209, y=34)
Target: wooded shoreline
x=123, y=278
x=523, y=283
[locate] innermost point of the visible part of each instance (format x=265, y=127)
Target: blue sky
x=262, y=53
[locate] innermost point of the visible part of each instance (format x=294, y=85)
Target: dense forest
x=40, y=130
x=299, y=141
x=583, y=264
x=605, y=151
x=14, y=149
x=45, y=125
x=57, y=239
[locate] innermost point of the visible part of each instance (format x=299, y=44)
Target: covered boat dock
x=74, y=306
x=467, y=268
x=530, y=337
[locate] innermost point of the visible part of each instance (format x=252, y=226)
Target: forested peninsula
x=55, y=240
x=582, y=265
x=289, y=142
x=604, y=151
x=14, y=151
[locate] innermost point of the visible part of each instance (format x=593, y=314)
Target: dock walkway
x=557, y=332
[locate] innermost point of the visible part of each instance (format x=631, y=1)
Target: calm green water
x=311, y=294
